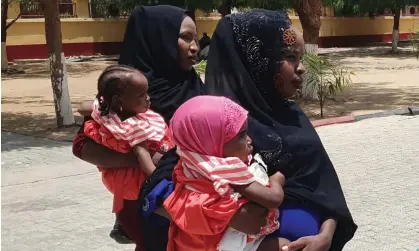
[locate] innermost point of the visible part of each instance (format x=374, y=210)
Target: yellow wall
x=206, y=24
x=13, y=10
x=74, y=30
x=84, y=29
x=82, y=7
x=337, y=26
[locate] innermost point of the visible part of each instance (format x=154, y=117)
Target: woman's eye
x=187, y=37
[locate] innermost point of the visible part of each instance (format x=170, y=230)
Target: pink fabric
x=204, y=124
x=121, y=136
x=141, y=127
x=200, y=128
x=203, y=203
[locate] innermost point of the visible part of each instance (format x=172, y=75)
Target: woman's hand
x=104, y=157
x=320, y=242
x=250, y=218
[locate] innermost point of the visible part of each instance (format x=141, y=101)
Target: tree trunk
x=4, y=10
x=396, y=36
x=309, y=13
x=63, y=110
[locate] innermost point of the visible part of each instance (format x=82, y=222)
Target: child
x=212, y=177
x=123, y=122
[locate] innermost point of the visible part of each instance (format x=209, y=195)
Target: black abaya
x=246, y=49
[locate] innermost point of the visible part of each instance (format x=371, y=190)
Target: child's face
x=135, y=98
x=240, y=146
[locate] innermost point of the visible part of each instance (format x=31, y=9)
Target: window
x=67, y=8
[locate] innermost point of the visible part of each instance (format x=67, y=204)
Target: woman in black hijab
x=255, y=60
x=161, y=42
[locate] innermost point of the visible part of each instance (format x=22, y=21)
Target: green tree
x=327, y=78
x=102, y=7
x=414, y=41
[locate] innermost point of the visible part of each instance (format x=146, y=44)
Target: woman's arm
x=250, y=218
x=328, y=228
x=320, y=242
x=104, y=157
x=144, y=158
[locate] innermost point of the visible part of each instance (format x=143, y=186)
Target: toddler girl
x=214, y=178
x=123, y=122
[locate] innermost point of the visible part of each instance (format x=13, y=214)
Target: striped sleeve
x=134, y=129
x=140, y=131
x=222, y=171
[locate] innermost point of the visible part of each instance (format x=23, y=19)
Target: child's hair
x=112, y=81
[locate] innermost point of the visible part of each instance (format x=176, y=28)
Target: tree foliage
x=373, y=8
x=414, y=41
x=25, y=5
x=327, y=78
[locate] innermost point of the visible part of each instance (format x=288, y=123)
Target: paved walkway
x=53, y=201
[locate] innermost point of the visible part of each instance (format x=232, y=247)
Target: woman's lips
x=298, y=84
x=193, y=60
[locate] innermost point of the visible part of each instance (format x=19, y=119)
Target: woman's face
x=289, y=77
x=187, y=44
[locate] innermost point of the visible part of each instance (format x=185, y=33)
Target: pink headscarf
x=204, y=124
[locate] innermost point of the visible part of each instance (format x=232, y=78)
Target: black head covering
x=246, y=51
x=150, y=45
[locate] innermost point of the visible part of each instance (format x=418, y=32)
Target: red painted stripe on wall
x=39, y=51
x=359, y=40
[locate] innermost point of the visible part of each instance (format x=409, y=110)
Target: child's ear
x=116, y=103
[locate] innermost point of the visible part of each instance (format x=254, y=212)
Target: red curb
x=331, y=121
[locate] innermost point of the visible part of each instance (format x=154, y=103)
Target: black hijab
x=150, y=45
x=246, y=48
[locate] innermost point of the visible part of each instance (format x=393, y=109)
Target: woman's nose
x=194, y=47
x=301, y=69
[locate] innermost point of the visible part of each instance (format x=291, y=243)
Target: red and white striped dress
x=203, y=202
x=121, y=136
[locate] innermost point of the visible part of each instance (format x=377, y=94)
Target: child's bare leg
x=273, y=244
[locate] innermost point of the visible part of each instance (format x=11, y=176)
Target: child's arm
x=85, y=108
x=269, y=197
x=144, y=158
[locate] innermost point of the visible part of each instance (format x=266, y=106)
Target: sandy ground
x=383, y=81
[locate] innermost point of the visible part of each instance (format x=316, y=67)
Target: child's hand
x=85, y=108
x=277, y=178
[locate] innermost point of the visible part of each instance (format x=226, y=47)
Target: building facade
x=84, y=35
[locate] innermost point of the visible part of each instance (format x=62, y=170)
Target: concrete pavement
x=53, y=201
